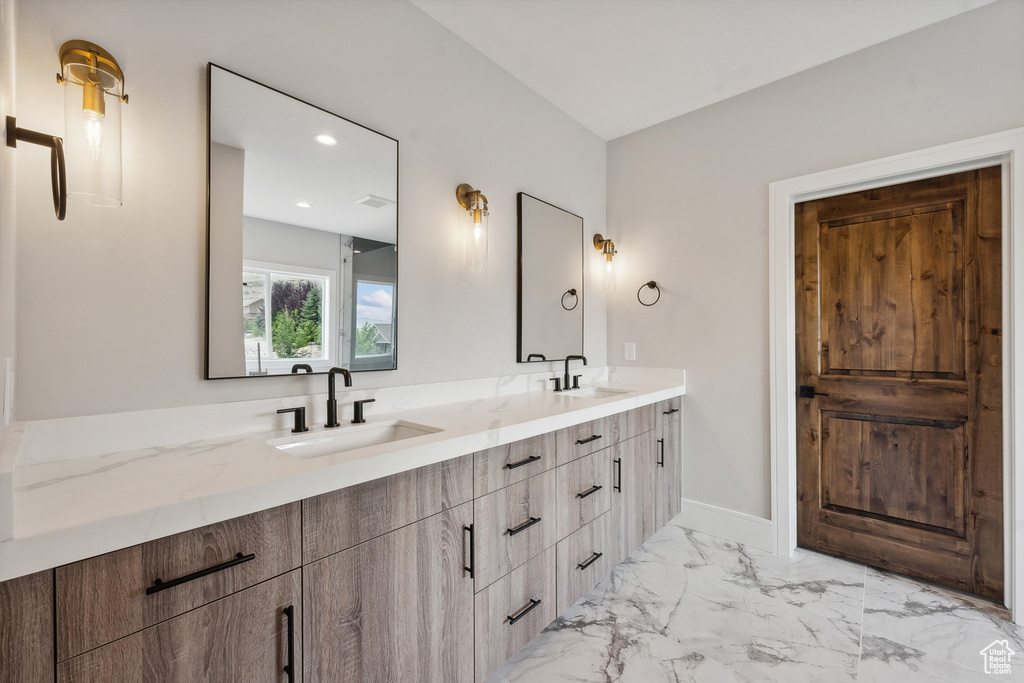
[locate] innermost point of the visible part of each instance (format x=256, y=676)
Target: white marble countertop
x=78, y=488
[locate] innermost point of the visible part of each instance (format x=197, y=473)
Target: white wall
x=7, y=196
x=111, y=302
x=688, y=207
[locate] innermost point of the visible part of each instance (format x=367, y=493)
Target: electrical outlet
x=630, y=350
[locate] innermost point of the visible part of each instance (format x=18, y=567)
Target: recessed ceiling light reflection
x=325, y=139
x=302, y=205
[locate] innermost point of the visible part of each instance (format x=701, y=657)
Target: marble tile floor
x=691, y=607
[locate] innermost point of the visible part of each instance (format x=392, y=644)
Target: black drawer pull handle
x=527, y=461
x=618, y=463
x=523, y=612
x=593, y=558
x=669, y=412
x=592, y=490
x=661, y=446
x=289, y=668
x=159, y=585
x=524, y=526
x=472, y=551
x=595, y=437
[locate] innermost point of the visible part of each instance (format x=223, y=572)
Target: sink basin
x=594, y=392
x=350, y=438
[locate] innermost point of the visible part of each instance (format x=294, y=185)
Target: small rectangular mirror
x=550, y=296
x=302, y=236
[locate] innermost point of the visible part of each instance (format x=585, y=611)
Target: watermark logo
x=997, y=657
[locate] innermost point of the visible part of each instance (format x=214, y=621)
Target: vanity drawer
x=113, y=595
x=583, y=491
x=338, y=520
x=511, y=611
x=513, y=525
x=500, y=466
x=583, y=559
x=584, y=439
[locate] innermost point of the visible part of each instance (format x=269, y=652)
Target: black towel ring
x=572, y=293
x=650, y=285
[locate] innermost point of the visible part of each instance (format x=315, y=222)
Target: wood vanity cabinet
x=253, y=635
x=26, y=629
x=395, y=608
x=668, y=475
x=632, y=509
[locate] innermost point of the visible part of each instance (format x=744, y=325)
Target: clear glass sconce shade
x=92, y=133
x=608, y=268
x=476, y=236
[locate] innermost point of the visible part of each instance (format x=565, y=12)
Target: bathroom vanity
x=438, y=571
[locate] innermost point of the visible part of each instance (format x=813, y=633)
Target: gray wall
x=688, y=207
x=131, y=337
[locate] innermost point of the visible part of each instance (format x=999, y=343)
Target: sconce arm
x=58, y=170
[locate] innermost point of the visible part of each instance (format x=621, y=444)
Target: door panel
x=899, y=453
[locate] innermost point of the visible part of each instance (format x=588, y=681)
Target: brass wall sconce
x=475, y=204
x=606, y=247
x=92, y=128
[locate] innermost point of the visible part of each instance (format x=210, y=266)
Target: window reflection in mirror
x=303, y=213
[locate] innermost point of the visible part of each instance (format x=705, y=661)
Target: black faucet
x=332, y=400
x=357, y=410
x=565, y=380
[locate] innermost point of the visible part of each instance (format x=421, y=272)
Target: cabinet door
x=668, y=475
x=583, y=491
x=396, y=608
x=583, y=559
x=26, y=629
x=248, y=636
x=633, y=462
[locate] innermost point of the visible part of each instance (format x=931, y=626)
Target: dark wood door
x=898, y=332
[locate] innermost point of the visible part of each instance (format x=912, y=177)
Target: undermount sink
x=594, y=392
x=350, y=438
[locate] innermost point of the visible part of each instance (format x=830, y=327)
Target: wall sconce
x=92, y=129
x=475, y=205
x=606, y=247
x=93, y=93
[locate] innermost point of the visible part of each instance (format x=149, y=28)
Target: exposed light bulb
x=94, y=134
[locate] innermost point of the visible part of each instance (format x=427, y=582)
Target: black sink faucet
x=332, y=399
x=565, y=380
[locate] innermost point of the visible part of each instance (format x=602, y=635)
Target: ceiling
x=617, y=66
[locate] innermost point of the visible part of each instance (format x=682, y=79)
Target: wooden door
x=249, y=636
x=899, y=421
x=632, y=509
x=396, y=608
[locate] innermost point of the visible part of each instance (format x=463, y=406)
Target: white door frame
x=1006, y=149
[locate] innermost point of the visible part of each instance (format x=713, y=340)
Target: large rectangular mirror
x=303, y=236
x=550, y=281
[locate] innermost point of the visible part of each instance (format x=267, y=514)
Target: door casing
x=1005, y=149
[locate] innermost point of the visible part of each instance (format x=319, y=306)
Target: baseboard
x=735, y=526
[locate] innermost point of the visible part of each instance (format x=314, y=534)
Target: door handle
x=809, y=392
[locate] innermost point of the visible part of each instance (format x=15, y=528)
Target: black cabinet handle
x=524, y=526
x=809, y=392
x=472, y=551
x=618, y=463
x=289, y=668
x=526, y=461
x=523, y=612
x=593, y=558
x=592, y=490
x=159, y=585
x=670, y=411
x=661, y=454
x=595, y=437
